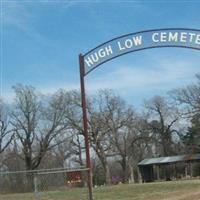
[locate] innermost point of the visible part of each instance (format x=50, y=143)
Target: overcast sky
x=41, y=41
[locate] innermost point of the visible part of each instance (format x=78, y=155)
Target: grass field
x=180, y=190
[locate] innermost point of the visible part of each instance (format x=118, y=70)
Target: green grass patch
x=148, y=191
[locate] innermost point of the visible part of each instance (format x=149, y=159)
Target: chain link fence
x=50, y=184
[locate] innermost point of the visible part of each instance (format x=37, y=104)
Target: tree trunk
x=107, y=175
x=131, y=179
x=29, y=187
x=139, y=175
x=124, y=168
x=103, y=160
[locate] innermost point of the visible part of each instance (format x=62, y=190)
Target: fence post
x=36, y=192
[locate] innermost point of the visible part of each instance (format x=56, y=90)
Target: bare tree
x=37, y=123
x=6, y=131
x=162, y=120
x=74, y=120
x=99, y=130
x=124, y=133
x=111, y=136
x=63, y=151
x=120, y=122
x=70, y=152
x=100, y=143
x=96, y=129
x=188, y=98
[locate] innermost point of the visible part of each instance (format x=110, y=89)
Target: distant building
x=168, y=168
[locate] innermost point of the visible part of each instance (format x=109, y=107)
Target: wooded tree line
x=45, y=131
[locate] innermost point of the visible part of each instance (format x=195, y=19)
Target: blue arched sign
x=174, y=37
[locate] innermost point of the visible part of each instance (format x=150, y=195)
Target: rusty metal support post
x=85, y=125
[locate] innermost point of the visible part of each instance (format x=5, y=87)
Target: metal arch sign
x=173, y=37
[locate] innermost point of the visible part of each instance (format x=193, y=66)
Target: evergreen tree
x=192, y=137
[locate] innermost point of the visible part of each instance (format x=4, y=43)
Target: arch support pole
x=85, y=126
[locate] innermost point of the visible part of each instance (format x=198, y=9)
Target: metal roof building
x=170, y=159
x=146, y=166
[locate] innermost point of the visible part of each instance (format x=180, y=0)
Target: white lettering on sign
x=101, y=53
x=191, y=36
x=173, y=37
x=197, y=41
x=129, y=43
x=155, y=37
x=182, y=37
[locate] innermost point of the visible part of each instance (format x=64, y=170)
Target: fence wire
x=50, y=184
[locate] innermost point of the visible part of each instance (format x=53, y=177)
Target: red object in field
x=74, y=177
